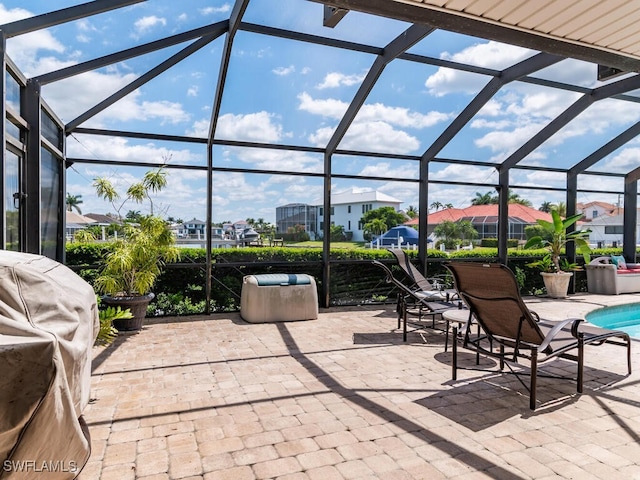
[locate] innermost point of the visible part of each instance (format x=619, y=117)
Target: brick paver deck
x=342, y=397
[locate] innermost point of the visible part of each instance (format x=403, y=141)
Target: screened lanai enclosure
x=255, y=104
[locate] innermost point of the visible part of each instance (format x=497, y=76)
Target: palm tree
x=546, y=207
x=482, y=199
x=412, y=212
x=515, y=198
x=73, y=201
x=435, y=206
x=375, y=227
x=561, y=208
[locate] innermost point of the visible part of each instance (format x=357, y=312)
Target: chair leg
x=580, y=361
x=454, y=352
x=534, y=378
x=446, y=335
x=404, y=322
x=628, y=356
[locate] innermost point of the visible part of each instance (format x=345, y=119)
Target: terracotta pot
x=138, y=306
x=557, y=284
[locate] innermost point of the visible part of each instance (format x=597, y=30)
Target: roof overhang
x=605, y=32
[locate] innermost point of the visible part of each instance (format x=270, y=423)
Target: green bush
x=180, y=289
x=493, y=242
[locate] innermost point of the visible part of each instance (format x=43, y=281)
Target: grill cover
x=48, y=324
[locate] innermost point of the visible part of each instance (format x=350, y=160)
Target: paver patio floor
x=342, y=397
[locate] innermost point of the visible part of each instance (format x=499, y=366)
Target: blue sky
x=295, y=93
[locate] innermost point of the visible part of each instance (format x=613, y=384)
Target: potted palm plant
x=557, y=272
x=134, y=263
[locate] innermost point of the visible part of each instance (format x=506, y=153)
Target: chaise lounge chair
x=408, y=299
x=492, y=295
x=433, y=287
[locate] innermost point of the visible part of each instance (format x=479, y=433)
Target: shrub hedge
x=180, y=289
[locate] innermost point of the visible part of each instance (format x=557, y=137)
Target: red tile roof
x=526, y=214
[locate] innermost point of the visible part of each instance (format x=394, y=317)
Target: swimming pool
x=621, y=317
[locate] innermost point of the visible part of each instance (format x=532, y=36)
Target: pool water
x=621, y=317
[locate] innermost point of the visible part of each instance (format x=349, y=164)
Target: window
x=594, y=214
x=614, y=230
x=49, y=202
x=51, y=130
x=12, y=92
x=332, y=211
x=12, y=185
x=321, y=211
x=349, y=224
x=348, y=208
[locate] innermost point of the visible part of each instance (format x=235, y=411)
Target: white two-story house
x=348, y=207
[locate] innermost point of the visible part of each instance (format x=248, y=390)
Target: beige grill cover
x=48, y=323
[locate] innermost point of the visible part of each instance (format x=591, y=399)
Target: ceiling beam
x=610, y=147
x=401, y=43
x=57, y=17
x=519, y=70
x=234, y=24
x=216, y=29
x=579, y=106
x=151, y=74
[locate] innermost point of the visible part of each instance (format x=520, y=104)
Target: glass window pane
x=13, y=92
x=12, y=217
x=49, y=202
x=51, y=131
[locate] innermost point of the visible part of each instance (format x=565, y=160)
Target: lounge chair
x=409, y=299
x=492, y=295
x=430, y=287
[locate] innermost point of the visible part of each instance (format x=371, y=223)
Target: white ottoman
x=278, y=297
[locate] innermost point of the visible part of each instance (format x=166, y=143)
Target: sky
x=293, y=93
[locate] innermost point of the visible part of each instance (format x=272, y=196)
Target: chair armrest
x=559, y=326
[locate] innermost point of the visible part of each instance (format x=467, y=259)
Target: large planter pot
x=557, y=284
x=138, y=306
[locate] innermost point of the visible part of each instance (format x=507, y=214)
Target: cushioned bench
x=278, y=297
x=608, y=278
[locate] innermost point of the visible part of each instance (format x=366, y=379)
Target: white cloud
x=145, y=24
x=370, y=136
x=508, y=141
x=200, y=128
x=284, y=71
x=391, y=170
x=276, y=159
x=212, y=10
x=92, y=87
x=402, y=117
x=489, y=55
x=256, y=127
x=331, y=108
x=24, y=49
x=622, y=162
x=336, y=79
x=192, y=91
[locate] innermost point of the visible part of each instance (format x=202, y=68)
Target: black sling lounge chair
x=408, y=298
x=492, y=295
